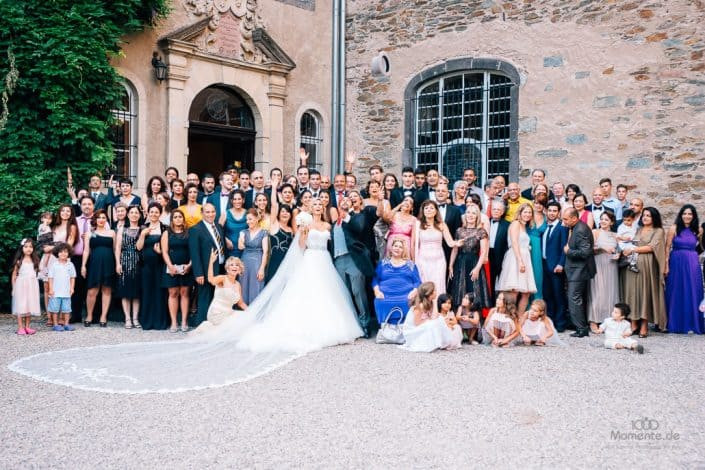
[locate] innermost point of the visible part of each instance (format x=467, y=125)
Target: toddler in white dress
x=536, y=328
x=618, y=331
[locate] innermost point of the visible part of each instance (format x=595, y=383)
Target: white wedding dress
x=305, y=307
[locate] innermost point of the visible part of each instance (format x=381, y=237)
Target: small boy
x=618, y=331
x=62, y=279
x=626, y=232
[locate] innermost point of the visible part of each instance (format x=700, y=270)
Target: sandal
x=128, y=325
x=136, y=324
x=173, y=329
x=184, y=329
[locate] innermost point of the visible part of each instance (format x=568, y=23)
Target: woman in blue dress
x=535, y=231
x=234, y=223
x=684, y=281
x=396, y=279
x=254, y=243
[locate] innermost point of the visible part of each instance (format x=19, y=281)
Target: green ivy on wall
x=58, y=89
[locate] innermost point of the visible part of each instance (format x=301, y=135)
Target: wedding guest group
x=506, y=265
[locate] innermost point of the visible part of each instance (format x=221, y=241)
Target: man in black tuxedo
x=353, y=260
x=450, y=215
x=579, y=268
x=257, y=180
x=552, y=242
x=95, y=190
x=203, y=237
x=499, y=230
x=221, y=197
x=428, y=190
x=407, y=187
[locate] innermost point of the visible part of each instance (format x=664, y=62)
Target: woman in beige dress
x=604, y=287
x=643, y=290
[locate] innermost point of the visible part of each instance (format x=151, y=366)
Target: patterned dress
x=279, y=243
x=465, y=262
x=129, y=282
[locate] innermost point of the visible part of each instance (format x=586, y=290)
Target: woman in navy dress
x=98, y=266
x=176, y=277
x=396, y=279
x=684, y=282
x=152, y=312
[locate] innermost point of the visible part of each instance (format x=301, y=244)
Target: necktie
x=218, y=239
x=550, y=229
x=340, y=196
x=95, y=195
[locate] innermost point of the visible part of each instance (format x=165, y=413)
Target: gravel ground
x=369, y=406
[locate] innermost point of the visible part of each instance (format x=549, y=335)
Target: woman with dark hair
x=431, y=231
x=643, y=290
x=191, y=210
x=177, y=278
x=153, y=314
x=178, y=198
x=535, y=231
x=98, y=266
x=155, y=185
x=281, y=234
x=571, y=191
x=380, y=228
x=127, y=266
x=287, y=195
x=389, y=184
x=580, y=202
x=164, y=200
x=234, y=222
x=604, y=287
x=303, y=203
x=330, y=214
x=684, y=281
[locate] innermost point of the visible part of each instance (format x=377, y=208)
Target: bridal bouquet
x=304, y=219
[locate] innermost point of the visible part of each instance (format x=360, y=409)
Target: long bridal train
x=305, y=307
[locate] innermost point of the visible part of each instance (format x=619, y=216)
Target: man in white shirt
x=608, y=200
x=470, y=178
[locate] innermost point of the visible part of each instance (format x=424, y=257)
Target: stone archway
x=221, y=131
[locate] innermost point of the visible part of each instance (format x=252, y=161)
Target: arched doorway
x=221, y=131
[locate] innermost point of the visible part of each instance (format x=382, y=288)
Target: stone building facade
x=243, y=77
x=596, y=88
x=581, y=89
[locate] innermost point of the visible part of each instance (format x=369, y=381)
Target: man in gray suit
x=579, y=269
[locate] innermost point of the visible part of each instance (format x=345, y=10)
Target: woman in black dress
x=177, y=278
x=281, y=231
x=153, y=312
x=98, y=266
x=127, y=266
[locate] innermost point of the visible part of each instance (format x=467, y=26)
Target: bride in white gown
x=305, y=307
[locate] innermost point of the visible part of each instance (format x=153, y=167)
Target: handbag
x=391, y=333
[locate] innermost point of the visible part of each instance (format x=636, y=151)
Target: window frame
x=129, y=118
x=315, y=141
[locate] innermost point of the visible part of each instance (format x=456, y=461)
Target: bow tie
x=223, y=194
x=441, y=206
x=596, y=207
x=495, y=221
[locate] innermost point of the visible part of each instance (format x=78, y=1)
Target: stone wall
x=608, y=88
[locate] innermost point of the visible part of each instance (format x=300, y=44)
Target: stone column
x=176, y=108
x=274, y=156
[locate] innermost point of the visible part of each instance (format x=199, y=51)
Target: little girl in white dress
x=445, y=309
x=537, y=328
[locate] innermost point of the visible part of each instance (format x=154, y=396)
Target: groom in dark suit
x=353, y=260
x=579, y=269
x=552, y=243
x=203, y=237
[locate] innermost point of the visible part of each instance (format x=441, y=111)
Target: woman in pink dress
x=430, y=260
x=402, y=225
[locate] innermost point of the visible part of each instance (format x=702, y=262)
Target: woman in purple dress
x=684, y=282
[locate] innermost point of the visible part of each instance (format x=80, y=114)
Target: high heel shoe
x=103, y=324
x=86, y=323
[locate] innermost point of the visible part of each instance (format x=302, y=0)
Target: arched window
x=464, y=119
x=124, y=136
x=311, y=139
